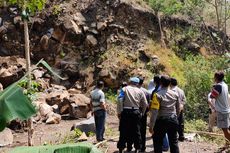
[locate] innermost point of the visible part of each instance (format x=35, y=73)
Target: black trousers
x=181, y=125
x=142, y=132
x=130, y=129
x=165, y=125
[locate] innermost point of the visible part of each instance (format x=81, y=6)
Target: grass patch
x=111, y=96
x=174, y=66
x=199, y=125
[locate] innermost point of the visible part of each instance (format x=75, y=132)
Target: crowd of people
x=164, y=101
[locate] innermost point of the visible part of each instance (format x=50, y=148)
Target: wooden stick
x=99, y=143
x=207, y=133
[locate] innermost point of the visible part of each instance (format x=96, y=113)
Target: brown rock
x=79, y=18
x=45, y=109
x=58, y=34
x=91, y=40
x=78, y=106
x=64, y=106
x=76, y=28
x=53, y=118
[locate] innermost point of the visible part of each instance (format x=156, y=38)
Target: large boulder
x=56, y=95
x=12, y=69
x=77, y=105
x=85, y=126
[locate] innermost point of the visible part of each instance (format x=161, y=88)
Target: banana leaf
x=14, y=105
x=82, y=147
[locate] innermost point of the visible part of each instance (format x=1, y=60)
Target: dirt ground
x=55, y=133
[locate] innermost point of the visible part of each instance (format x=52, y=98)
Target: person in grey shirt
x=99, y=109
x=166, y=121
x=134, y=105
x=220, y=93
x=182, y=99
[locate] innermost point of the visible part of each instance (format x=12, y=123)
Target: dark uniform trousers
x=129, y=128
x=143, y=134
x=143, y=131
x=165, y=125
x=181, y=125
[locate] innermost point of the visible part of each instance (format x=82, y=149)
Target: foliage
x=91, y=134
x=167, y=7
x=77, y=133
x=31, y=5
x=111, y=95
x=169, y=63
x=200, y=125
x=195, y=125
x=199, y=82
x=71, y=137
x=199, y=79
x=30, y=93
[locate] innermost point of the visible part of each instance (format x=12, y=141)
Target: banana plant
x=27, y=8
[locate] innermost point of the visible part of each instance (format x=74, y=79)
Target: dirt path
x=185, y=147
x=55, y=133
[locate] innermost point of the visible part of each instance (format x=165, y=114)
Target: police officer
x=134, y=105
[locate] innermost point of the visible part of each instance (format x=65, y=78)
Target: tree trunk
x=27, y=54
x=217, y=14
x=210, y=35
x=225, y=26
x=161, y=31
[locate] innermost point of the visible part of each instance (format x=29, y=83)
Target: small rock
x=45, y=109
x=79, y=18
x=38, y=73
x=91, y=40
x=74, y=91
x=6, y=137
x=93, y=25
x=53, y=119
x=85, y=28
x=76, y=28
x=83, y=137
x=93, y=31
x=101, y=25
x=104, y=73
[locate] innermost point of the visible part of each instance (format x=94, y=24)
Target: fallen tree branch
x=104, y=141
x=206, y=133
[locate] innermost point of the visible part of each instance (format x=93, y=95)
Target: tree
x=222, y=13
x=164, y=7
x=27, y=7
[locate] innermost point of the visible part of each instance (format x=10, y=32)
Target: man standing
x=220, y=93
x=182, y=100
x=166, y=121
x=99, y=109
x=154, y=107
x=134, y=105
x=143, y=120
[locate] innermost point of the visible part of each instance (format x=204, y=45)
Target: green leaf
x=14, y=104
